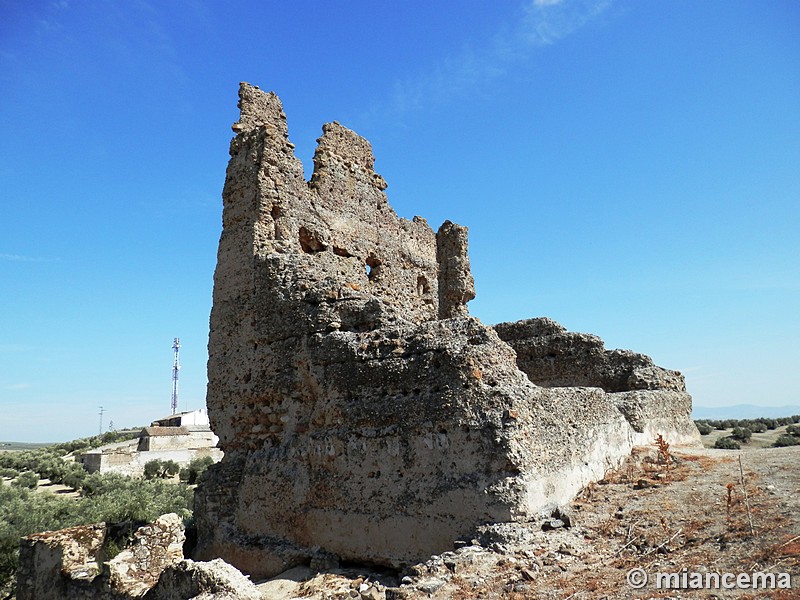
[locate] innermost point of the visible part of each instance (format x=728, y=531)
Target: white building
x=193, y=419
x=180, y=438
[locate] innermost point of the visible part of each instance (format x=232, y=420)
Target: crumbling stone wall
x=154, y=547
x=551, y=356
x=62, y=564
x=362, y=411
x=75, y=563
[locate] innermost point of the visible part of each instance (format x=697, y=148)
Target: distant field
x=759, y=440
x=17, y=446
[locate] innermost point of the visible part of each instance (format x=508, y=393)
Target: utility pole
x=176, y=366
x=100, y=431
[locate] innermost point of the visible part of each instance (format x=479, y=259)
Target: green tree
x=727, y=443
x=786, y=440
x=169, y=468
x=28, y=480
x=8, y=472
x=793, y=430
x=75, y=478
x=704, y=428
x=741, y=434
x=198, y=466
x=153, y=469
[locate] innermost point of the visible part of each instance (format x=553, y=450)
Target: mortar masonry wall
x=361, y=410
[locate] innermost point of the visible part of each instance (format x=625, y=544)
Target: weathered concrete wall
x=362, y=412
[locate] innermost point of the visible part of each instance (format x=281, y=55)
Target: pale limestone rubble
x=78, y=563
x=363, y=413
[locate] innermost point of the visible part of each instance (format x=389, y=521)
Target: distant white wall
x=195, y=418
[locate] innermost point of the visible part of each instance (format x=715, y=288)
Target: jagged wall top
x=299, y=258
x=350, y=390
x=341, y=217
x=257, y=108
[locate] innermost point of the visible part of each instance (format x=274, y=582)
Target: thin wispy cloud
x=23, y=258
x=539, y=23
x=16, y=387
x=548, y=21
x=15, y=348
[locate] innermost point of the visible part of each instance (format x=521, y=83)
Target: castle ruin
x=362, y=412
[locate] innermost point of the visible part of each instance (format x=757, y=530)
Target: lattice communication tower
x=176, y=367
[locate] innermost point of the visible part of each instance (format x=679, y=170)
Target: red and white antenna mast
x=176, y=366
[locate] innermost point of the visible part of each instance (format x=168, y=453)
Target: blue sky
x=630, y=169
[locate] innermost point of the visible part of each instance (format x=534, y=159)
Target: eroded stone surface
x=551, y=356
x=154, y=547
x=61, y=564
x=213, y=580
x=362, y=412
x=75, y=562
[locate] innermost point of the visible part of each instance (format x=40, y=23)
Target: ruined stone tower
x=362, y=412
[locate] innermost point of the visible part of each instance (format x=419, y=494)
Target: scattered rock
x=552, y=524
x=429, y=586
x=213, y=580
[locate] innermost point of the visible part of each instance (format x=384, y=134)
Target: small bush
x=704, y=428
x=152, y=469
x=741, y=434
x=727, y=443
x=75, y=479
x=786, y=440
x=27, y=480
x=198, y=466
x=161, y=469
x=169, y=468
x=793, y=430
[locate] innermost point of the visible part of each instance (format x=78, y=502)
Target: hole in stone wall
x=373, y=267
x=275, y=213
x=309, y=243
x=423, y=287
x=341, y=252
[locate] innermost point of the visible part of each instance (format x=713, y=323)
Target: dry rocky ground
x=692, y=512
